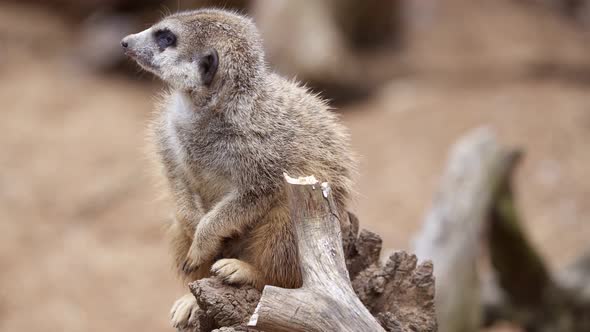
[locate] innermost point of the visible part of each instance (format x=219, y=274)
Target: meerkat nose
x=127, y=42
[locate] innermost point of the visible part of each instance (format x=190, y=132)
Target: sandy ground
x=81, y=243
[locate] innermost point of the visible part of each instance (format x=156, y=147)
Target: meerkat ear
x=208, y=62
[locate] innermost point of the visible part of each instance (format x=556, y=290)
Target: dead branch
x=533, y=297
x=326, y=301
x=575, y=276
x=454, y=226
x=476, y=203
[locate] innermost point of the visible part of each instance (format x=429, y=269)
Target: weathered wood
x=222, y=305
x=451, y=235
x=326, y=301
x=576, y=276
x=399, y=294
x=531, y=296
x=520, y=271
x=474, y=210
x=364, y=253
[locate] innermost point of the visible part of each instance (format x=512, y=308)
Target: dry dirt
x=81, y=245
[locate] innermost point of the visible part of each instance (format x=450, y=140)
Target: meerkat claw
x=188, y=267
x=236, y=272
x=184, y=311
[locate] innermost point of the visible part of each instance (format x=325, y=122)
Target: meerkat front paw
x=184, y=311
x=236, y=272
x=203, y=250
x=198, y=256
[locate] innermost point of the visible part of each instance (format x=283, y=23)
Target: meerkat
x=226, y=131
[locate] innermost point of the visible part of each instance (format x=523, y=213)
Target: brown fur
x=225, y=146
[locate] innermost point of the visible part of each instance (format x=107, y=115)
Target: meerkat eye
x=165, y=38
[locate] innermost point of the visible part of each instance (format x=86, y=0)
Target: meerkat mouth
x=144, y=60
x=130, y=53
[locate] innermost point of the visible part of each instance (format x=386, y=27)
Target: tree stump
x=397, y=296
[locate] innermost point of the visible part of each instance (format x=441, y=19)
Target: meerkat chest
x=210, y=186
x=196, y=159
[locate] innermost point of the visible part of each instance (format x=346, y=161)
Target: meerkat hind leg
x=184, y=311
x=235, y=271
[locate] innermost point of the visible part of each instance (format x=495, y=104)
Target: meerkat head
x=200, y=51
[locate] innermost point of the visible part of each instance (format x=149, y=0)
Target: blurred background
x=81, y=216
